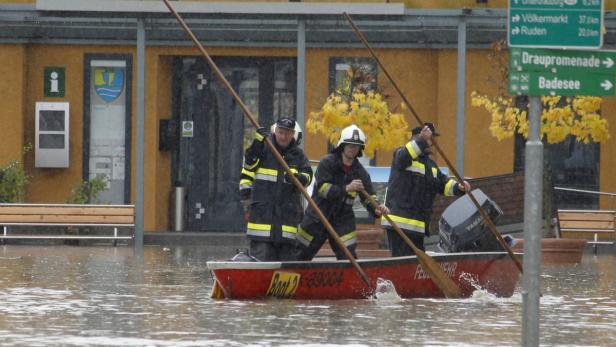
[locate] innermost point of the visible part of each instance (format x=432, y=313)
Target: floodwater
x=105, y=296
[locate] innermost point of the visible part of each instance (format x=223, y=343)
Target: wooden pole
x=483, y=213
x=436, y=273
x=270, y=145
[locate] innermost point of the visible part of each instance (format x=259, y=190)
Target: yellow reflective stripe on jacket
x=308, y=178
x=434, y=172
x=324, y=189
x=406, y=223
x=349, y=239
x=417, y=167
x=256, y=229
x=350, y=198
x=413, y=149
x=367, y=201
x=250, y=167
x=449, y=188
x=293, y=170
x=258, y=137
x=289, y=232
x=303, y=237
x=245, y=183
x=266, y=174
x=248, y=173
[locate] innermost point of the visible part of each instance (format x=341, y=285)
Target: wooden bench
x=597, y=226
x=66, y=215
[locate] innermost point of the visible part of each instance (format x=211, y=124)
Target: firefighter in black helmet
x=414, y=181
x=339, y=179
x=275, y=209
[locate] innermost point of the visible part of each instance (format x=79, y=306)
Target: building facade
x=82, y=57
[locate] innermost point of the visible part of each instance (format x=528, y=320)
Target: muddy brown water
x=106, y=296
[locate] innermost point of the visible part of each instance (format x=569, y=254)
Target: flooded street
x=104, y=296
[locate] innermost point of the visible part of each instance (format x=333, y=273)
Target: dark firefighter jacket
x=276, y=209
x=331, y=197
x=414, y=181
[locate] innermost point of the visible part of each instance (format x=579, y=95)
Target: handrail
x=584, y=191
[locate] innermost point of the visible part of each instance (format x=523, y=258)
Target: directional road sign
x=555, y=23
x=546, y=83
x=536, y=59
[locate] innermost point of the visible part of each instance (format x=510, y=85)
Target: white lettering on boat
x=449, y=268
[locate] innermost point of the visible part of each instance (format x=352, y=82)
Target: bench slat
x=71, y=210
x=585, y=217
x=587, y=235
x=607, y=225
x=72, y=219
x=66, y=237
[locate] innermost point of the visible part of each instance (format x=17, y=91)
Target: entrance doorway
x=107, y=124
x=215, y=131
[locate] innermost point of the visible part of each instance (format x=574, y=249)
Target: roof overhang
x=200, y=7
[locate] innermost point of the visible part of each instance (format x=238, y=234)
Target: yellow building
x=82, y=56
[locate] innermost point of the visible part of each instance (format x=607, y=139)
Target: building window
x=575, y=165
x=339, y=79
x=572, y=164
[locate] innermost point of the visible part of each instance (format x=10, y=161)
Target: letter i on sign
x=54, y=81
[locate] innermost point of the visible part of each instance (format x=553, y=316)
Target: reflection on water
x=91, y=296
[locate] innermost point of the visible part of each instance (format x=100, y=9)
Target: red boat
x=332, y=279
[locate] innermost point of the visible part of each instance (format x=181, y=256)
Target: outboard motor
x=462, y=228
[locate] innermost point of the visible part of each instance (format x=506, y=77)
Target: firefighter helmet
x=298, y=134
x=352, y=135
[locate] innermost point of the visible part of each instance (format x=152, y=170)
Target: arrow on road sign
x=607, y=85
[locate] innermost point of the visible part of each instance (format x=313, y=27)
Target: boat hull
x=330, y=280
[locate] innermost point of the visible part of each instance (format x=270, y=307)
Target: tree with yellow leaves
x=353, y=103
x=560, y=117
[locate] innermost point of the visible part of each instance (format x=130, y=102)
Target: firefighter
x=414, y=181
x=268, y=195
x=339, y=179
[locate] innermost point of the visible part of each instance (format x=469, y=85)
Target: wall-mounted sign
x=54, y=78
x=187, y=128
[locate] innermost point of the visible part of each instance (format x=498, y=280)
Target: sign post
x=562, y=24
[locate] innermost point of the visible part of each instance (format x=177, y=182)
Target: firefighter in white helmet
x=339, y=179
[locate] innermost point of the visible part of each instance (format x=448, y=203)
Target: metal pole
x=301, y=74
x=139, y=199
x=533, y=203
x=460, y=97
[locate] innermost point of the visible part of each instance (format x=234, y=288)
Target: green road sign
x=566, y=84
x=537, y=59
x=555, y=23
